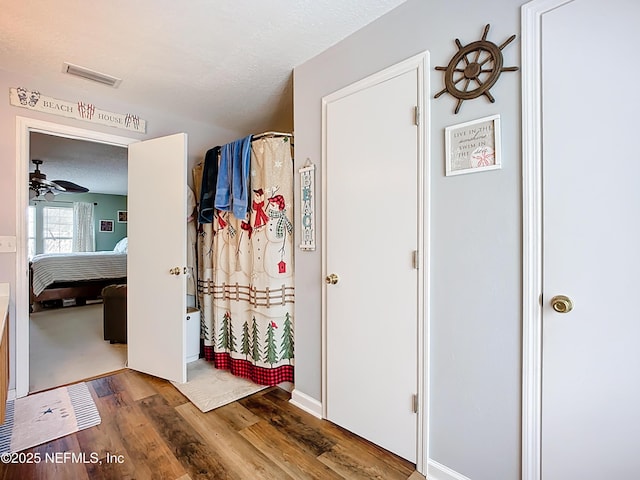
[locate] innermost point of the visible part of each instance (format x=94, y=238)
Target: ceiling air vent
x=88, y=74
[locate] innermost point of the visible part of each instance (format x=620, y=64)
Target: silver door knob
x=331, y=279
x=561, y=304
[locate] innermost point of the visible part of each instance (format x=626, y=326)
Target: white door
x=591, y=245
x=156, y=298
x=372, y=219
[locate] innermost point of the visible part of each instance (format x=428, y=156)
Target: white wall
x=201, y=137
x=475, y=233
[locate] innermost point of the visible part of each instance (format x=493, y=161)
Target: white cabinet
x=193, y=334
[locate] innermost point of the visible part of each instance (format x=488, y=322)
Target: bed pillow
x=121, y=246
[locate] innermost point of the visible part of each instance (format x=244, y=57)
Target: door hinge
x=416, y=260
x=415, y=403
x=416, y=116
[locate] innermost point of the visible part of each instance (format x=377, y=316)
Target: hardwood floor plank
x=233, y=450
x=237, y=415
x=105, y=386
x=404, y=467
x=358, y=444
x=110, y=404
x=362, y=452
x=300, y=432
x=105, y=440
x=171, y=394
x=417, y=476
x=200, y=461
x=146, y=450
x=138, y=385
x=52, y=464
x=345, y=437
x=275, y=444
x=359, y=464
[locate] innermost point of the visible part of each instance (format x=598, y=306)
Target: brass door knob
x=174, y=271
x=561, y=304
x=331, y=279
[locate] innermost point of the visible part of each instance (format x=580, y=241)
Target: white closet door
x=371, y=236
x=591, y=229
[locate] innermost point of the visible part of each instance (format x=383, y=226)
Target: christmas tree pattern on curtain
x=246, y=271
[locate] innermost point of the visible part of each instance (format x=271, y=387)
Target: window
x=57, y=229
x=31, y=231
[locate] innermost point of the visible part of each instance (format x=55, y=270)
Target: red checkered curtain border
x=245, y=283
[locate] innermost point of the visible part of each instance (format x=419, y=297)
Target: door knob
x=561, y=304
x=174, y=271
x=331, y=279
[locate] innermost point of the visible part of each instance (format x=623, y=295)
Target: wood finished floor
x=159, y=434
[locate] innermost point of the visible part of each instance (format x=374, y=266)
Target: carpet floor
x=67, y=345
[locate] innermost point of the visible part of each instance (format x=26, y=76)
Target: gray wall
x=201, y=136
x=475, y=262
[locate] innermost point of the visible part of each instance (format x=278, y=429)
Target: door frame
x=24, y=126
x=419, y=63
x=531, y=18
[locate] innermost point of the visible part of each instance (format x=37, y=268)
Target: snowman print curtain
x=246, y=274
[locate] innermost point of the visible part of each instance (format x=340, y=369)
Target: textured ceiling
x=226, y=62
x=99, y=167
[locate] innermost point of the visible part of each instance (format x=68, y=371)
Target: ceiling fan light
x=32, y=194
x=49, y=196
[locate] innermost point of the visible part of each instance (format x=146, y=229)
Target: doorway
x=24, y=128
x=375, y=252
x=67, y=325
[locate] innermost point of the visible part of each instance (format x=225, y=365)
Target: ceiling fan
x=39, y=186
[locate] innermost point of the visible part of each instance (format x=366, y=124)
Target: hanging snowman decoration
x=278, y=227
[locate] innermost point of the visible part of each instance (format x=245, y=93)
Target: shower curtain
x=246, y=274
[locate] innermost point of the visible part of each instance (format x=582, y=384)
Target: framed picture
x=473, y=146
x=106, y=226
x=122, y=216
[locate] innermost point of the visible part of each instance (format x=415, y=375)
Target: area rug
x=208, y=388
x=46, y=416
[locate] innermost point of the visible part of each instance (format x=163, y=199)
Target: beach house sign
x=34, y=100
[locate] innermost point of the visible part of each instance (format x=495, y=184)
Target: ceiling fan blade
x=46, y=183
x=70, y=187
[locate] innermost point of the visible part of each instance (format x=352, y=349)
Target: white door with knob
x=156, y=294
x=591, y=241
x=371, y=238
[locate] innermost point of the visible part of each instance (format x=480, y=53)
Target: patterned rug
x=208, y=388
x=43, y=417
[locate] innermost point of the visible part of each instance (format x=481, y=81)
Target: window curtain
x=84, y=238
x=246, y=274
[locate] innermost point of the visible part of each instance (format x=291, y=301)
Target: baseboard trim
x=306, y=403
x=437, y=471
x=11, y=394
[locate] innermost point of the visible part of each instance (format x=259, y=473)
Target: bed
x=79, y=276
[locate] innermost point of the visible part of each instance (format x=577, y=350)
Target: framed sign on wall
x=307, y=206
x=473, y=146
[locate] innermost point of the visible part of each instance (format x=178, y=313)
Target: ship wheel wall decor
x=474, y=69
